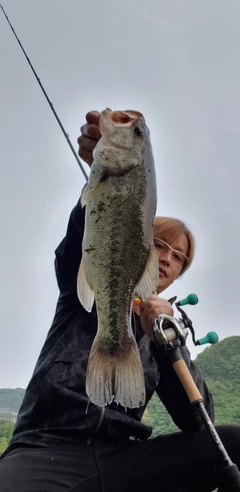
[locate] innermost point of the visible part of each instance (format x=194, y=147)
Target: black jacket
x=55, y=406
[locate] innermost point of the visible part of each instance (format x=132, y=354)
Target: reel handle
x=191, y=299
x=210, y=337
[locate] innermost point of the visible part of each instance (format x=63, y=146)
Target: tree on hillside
x=3, y=444
x=220, y=366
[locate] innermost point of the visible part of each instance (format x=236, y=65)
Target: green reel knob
x=211, y=337
x=191, y=299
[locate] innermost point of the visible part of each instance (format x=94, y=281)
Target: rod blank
x=46, y=96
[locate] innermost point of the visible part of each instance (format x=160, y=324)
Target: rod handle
x=186, y=379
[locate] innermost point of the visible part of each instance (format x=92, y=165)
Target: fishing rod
x=170, y=334
x=46, y=96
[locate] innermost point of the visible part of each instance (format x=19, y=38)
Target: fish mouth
x=119, y=118
x=161, y=270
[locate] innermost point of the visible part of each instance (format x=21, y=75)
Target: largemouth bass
x=118, y=258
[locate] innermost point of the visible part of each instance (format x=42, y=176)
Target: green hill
x=220, y=365
x=6, y=430
x=10, y=401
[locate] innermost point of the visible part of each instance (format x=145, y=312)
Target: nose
x=165, y=257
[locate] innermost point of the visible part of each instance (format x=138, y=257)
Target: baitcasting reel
x=170, y=332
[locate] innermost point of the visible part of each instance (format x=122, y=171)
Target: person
x=64, y=443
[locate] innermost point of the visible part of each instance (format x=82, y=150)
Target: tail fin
x=117, y=377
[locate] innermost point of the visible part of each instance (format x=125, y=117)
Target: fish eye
x=137, y=131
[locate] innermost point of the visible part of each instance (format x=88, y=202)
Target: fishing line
x=45, y=94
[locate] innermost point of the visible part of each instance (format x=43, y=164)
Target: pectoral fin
x=149, y=281
x=84, y=195
x=84, y=291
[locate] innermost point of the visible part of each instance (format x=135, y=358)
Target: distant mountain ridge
x=220, y=365
x=10, y=401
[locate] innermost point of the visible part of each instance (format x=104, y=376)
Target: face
x=170, y=262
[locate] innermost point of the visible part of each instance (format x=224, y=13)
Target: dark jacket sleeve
x=69, y=310
x=69, y=252
x=173, y=395
x=67, y=261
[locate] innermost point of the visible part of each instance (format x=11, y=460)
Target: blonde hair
x=169, y=230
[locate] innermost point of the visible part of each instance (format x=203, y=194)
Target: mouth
x=121, y=118
x=162, y=271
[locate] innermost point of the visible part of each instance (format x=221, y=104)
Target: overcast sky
x=177, y=62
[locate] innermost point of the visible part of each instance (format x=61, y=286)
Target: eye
x=137, y=131
x=158, y=245
x=177, y=257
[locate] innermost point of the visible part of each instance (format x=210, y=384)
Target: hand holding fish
x=90, y=134
x=149, y=310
